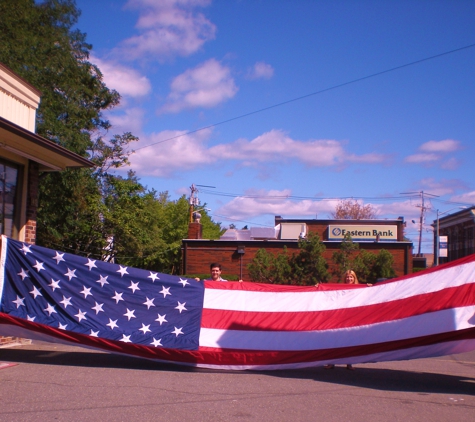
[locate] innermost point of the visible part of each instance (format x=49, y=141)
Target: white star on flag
x=149, y=303
x=70, y=274
x=122, y=270
x=54, y=284
x=98, y=307
x=130, y=314
x=134, y=286
x=165, y=291
x=23, y=274
x=66, y=301
x=86, y=292
x=117, y=297
x=90, y=264
x=177, y=331
x=19, y=301
x=102, y=280
x=125, y=339
x=156, y=343
x=26, y=249
x=181, y=307
x=145, y=328
x=153, y=276
x=35, y=292
x=50, y=309
x=58, y=257
x=183, y=281
x=81, y=315
x=112, y=324
x=39, y=266
x=161, y=319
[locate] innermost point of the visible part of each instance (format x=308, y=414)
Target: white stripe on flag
x=416, y=326
x=257, y=301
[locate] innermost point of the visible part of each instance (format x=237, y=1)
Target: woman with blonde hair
x=348, y=278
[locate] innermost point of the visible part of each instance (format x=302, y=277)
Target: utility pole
x=421, y=221
x=194, y=201
x=423, y=208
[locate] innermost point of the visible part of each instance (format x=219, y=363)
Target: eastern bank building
x=237, y=248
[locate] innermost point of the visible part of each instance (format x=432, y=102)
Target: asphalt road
x=50, y=382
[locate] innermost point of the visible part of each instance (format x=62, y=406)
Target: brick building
x=23, y=157
x=237, y=248
x=457, y=234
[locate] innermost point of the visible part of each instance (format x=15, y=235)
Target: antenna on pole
x=423, y=208
x=194, y=201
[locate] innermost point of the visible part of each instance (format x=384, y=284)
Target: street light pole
x=437, y=241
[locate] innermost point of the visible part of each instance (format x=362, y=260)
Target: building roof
x=50, y=156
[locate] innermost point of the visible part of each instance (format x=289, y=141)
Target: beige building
x=23, y=157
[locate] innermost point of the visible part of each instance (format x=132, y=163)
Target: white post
x=437, y=241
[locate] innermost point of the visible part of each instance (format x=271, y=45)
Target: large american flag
x=60, y=297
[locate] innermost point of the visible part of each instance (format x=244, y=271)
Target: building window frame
x=11, y=186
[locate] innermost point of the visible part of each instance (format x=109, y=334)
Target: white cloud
x=467, y=197
x=168, y=28
x=451, y=164
x=447, y=145
x=207, y=85
x=422, y=158
x=261, y=70
x=131, y=120
x=125, y=80
x=435, y=151
x=169, y=157
x=276, y=146
x=170, y=152
x=442, y=187
x=256, y=203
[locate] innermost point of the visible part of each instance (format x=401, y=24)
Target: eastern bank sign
x=368, y=232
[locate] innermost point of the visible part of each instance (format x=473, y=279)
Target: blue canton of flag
x=99, y=299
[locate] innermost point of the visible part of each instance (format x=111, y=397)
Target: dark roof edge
x=45, y=143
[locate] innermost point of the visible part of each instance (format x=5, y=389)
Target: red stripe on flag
x=452, y=297
x=208, y=357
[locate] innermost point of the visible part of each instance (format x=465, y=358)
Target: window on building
x=9, y=198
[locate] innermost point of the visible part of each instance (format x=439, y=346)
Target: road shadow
x=363, y=377
x=86, y=358
x=388, y=380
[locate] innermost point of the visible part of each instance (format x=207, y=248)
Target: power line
x=310, y=95
x=407, y=195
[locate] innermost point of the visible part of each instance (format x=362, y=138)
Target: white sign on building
x=443, y=246
x=363, y=232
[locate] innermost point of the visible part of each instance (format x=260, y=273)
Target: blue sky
x=285, y=107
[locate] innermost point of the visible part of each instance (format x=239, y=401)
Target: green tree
x=307, y=267
x=344, y=257
x=38, y=42
x=268, y=268
x=370, y=266
x=85, y=211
